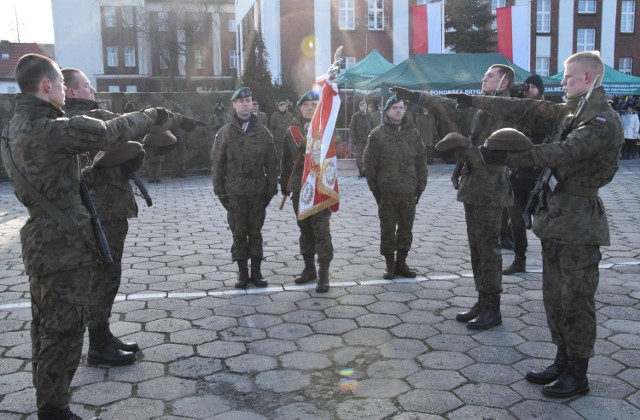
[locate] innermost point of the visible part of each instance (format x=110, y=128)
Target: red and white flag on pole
x=513, y=28
x=320, y=176
x=428, y=28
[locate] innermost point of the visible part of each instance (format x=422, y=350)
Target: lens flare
x=308, y=46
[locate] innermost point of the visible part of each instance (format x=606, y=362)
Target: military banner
x=320, y=176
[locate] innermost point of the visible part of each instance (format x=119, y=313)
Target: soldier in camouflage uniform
x=359, y=128
x=58, y=248
x=397, y=176
x=428, y=129
x=279, y=124
x=315, y=230
x=244, y=174
x=219, y=119
x=484, y=190
x=572, y=224
x=260, y=116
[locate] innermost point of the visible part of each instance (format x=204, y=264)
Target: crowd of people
x=577, y=143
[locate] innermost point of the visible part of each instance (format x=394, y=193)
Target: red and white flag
x=513, y=28
x=428, y=29
x=320, y=176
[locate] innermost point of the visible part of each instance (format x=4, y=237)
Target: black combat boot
x=572, y=381
x=402, y=269
x=390, y=271
x=131, y=346
x=519, y=265
x=473, y=312
x=102, y=351
x=243, y=274
x=550, y=373
x=489, y=313
x=256, y=274
x=309, y=273
x=323, y=277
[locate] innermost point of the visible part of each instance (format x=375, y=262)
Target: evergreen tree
x=468, y=24
x=256, y=75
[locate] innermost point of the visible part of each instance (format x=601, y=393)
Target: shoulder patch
x=599, y=120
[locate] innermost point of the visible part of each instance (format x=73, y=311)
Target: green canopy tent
x=370, y=67
x=440, y=74
x=614, y=82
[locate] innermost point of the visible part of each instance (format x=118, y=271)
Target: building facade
x=148, y=45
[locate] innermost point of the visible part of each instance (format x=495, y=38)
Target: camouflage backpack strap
x=44, y=204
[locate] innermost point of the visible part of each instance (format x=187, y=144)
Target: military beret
x=282, y=103
x=117, y=155
x=159, y=138
x=241, y=93
x=452, y=141
x=391, y=101
x=309, y=96
x=508, y=139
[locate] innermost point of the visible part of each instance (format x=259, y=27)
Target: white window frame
x=233, y=59
x=112, y=56
x=346, y=15
x=198, y=58
x=543, y=65
x=375, y=15
x=587, y=7
x=543, y=16
x=627, y=16
x=231, y=25
x=129, y=56
x=114, y=89
x=585, y=39
x=163, y=21
x=109, y=16
x=164, y=59
x=625, y=65
x=495, y=4
x=127, y=16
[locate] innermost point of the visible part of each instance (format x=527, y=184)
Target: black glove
x=517, y=89
x=190, y=124
x=463, y=100
x=455, y=180
x=493, y=157
x=405, y=94
x=133, y=164
x=163, y=116
x=376, y=195
x=224, y=200
x=418, y=195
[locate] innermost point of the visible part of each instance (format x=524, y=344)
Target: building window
x=348, y=62
x=586, y=40
x=376, y=15
x=542, y=66
x=199, y=59
x=131, y=88
x=165, y=59
x=127, y=16
x=163, y=21
x=627, y=16
x=625, y=64
x=114, y=88
x=129, y=56
x=201, y=89
x=346, y=14
x=587, y=6
x=543, y=16
x=233, y=59
x=494, y=5
x=5, y=55
x=109, y=16
x=112, y=56
x=232, y=25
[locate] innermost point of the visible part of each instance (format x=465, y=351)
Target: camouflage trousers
x=154, y=167
x=358, y=151
x=315, y=232
x=58, y=308
x=397, y=213
x=246, y=217
x=106, y=280
x=570, y=278
x=483, y=233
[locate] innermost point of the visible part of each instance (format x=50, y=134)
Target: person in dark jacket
x=359, y=128
x=394, y=161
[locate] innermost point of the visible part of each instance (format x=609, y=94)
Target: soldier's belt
x=578, y=190
x=490, y=168
x=65, y=203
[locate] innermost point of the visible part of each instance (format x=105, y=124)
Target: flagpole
x=442, y=28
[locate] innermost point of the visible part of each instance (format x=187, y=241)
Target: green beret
x=391, y=101
x=241, y=93
x=508, y=139
x=117, y=155
x=309, y=96
x=452, y=141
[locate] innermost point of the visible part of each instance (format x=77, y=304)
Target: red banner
x=505, y=31
x=420, y=32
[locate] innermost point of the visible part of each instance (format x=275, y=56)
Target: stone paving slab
x=370, y=348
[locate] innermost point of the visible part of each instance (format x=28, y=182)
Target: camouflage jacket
x=289, y=153
x=44, y=145
x=244, y=163
x=110, y=189
x=428, y=129
x=216, y=122
x=479, y=185
x=394, y=159
x=360, y=127
x=279, y=125
x=587, y=158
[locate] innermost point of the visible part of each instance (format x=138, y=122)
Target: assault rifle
x=547, y=180
x=98, y=231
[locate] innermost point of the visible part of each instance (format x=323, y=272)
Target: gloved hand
x=376, y=195
x=133, y=164
x=163, y=116
x=517, y=89
x=463, y=100
x=190, y=124
x=455, y=180
x=418, y=195
x=224, y=200
x=267, y=200
x=493, y=157
x=405, y=94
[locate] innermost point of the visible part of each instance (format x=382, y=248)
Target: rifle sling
x=65, y=203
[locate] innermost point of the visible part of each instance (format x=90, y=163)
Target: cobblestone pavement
x=370, y=348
